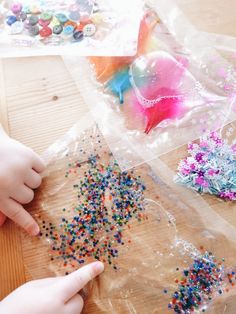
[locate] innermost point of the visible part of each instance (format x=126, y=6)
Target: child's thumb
x=73, y=283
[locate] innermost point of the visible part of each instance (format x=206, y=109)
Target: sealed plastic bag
x=210, y=167
x=162, y=253
x=207, y=165
x=77, y=27
x=175, y=88
x=222, y=42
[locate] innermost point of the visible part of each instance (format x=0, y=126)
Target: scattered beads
x=70, y=25
x=210, y=168
x=108, y=200
x=199, y=284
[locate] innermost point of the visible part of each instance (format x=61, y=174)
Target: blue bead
x=78, y=36
x=62, y=18
x=68, y=30
x=11, y=19
x=74, y=16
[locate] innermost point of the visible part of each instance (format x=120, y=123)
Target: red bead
x=45, y=32
x=44, y=23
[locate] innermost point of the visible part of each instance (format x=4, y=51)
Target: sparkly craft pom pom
x=210, y=167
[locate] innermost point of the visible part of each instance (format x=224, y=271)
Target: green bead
x=62, y=18
x=46, y=16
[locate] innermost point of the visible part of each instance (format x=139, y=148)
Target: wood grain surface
x=39, y=102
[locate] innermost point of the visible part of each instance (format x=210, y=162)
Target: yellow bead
x=97, y=18
x=34, y=9
x=55, y=21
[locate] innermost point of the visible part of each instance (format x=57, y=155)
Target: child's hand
x=19, y=175
x=52, y=295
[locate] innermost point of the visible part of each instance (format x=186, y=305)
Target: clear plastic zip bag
x=210, y=166
x=175, y=88
x=75, y=27
x=151, y=238
x=213, y=153
x=207, y=167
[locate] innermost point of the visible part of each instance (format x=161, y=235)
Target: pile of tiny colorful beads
x=107, y=201
x=210, y=168
x=198, y=285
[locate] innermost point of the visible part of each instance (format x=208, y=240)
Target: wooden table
x=39, y=102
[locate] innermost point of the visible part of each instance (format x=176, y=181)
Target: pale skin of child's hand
x=20, y=169
x=52, y=295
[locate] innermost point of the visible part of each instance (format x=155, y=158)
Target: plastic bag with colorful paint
x=162, y=250
x=75, y=27
x=169, y=93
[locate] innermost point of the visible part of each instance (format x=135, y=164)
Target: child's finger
x=74, y=305
x=37, y=163
x=19, y=215
x=73, y=283
x=23, y=194
x=33, y=179
x=2, y=218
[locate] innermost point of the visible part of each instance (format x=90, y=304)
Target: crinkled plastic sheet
x=177, y=63
x=172, y=231
x=115, y=31
x=223, y=43
x=222, y=206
